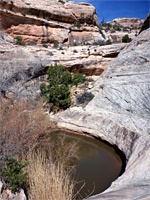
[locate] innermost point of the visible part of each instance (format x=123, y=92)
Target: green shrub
x=85, y=97
x=126, y=39
x=116, y=28
x=75, y=44
x=19, y=40
x=12, y=174
x=108, y=42
x=77, y=24
x=56, y=44
x=78, y=78
x=60, y=48
x=57, y=91
x=60, y=1
x=107, y=25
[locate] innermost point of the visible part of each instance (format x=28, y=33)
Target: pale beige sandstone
x=128, y=26
x=120, y=114
x=134, y=23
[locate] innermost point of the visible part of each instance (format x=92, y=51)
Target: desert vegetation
x=19, y=40
x=25, y=162
x=48, y=181
x=85, y=97
x=77, y=24
x=126, y=39
x=56, y=90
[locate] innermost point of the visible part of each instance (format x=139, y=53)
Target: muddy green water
x=97, y=165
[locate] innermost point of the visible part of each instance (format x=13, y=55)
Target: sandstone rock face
x=66, y=22
x=120, y=114
x=133, y=23
x=47, y=21
x=7, y=194
x=22, y=67
x=120, y=27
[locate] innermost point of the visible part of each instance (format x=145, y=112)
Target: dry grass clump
x=23, y=130
x=61, y=150
x=21, y=125
x=47, y=180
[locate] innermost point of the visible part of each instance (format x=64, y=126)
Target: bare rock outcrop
x=120, y=27
x=47, y=21
x=22, y=68
x=120, y=114
x=6, y=194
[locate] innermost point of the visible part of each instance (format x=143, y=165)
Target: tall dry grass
x=22, y=124
x=47, y=180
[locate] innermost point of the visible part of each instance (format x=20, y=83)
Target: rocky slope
x=22, y=67
x=119, y=27
x=120, y=114
x=47, y=21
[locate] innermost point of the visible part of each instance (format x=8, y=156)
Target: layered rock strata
x=120, y=114
x=48, y=21
x=61, y=21
x=22, y=68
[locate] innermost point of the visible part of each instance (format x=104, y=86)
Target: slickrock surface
x=22, y=67
x=120, y=114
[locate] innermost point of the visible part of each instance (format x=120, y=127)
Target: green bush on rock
x=78, y=78
x=85, y=97
x=57, y=89
x=12, y=174
x=126, y=39
x=19, y=40
x=77, y=24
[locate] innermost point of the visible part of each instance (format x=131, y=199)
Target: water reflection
x=96, y=164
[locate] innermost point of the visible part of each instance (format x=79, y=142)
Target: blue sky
x=110, y=9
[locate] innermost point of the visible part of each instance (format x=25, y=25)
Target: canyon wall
x=58, y=20
x=22, y=68
x=47, y=21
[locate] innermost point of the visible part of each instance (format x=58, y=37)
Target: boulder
x=8, y=195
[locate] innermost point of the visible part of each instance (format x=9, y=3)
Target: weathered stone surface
x=133, y=23
x=120, y=27
x=120, y=114
x=47, y=21
x=22, y=67
x=8, y=195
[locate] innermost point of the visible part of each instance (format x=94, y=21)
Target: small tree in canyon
x=56, y=91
